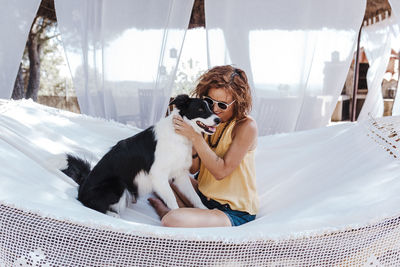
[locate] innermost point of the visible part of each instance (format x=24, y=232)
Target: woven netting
x=30, y=240
x=329, y=197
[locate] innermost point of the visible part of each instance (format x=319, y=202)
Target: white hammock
x=328, y=197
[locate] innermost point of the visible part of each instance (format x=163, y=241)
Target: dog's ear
x=180, y=101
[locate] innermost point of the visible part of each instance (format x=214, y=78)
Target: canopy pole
x=356, y=75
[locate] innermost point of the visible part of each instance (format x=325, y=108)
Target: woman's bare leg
x=189, y=217
x=162, y=209
x=194, y=217
x=186, y=216
x=182, y=200
x=159, y=206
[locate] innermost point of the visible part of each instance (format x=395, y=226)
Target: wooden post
x=356, y=75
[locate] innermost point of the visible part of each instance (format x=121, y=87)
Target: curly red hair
x=233, y=80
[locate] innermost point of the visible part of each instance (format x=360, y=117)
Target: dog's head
x=197, y=113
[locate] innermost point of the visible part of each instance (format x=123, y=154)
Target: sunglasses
x=221, y=105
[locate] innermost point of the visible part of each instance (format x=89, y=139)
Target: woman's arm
x=244, y=139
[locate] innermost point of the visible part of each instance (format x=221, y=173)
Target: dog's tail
x=78, y=169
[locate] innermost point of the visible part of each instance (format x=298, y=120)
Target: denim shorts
x=235, y=216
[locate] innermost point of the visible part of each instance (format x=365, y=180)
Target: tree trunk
x=197, y=18
x=18, y=92
x=34, y=68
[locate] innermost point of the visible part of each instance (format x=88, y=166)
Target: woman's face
x=222, y=95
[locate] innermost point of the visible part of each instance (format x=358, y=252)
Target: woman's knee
x=171, y=219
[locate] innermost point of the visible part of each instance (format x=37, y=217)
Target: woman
x=225, y=161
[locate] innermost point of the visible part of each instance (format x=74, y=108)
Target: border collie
x=144, y=163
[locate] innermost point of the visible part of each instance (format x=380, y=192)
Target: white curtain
x=16, y=18
x=377, y=43
x=296, y=54
x=123, y=54
x=395, y=4
x=396, y=47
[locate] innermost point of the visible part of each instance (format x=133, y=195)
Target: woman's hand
x=183, y=128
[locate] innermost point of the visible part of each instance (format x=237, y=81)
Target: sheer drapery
x=376, y=40
x=16, y=18
x=123, y=54
x=296, y=54
x=396, y=47
x=395, y=4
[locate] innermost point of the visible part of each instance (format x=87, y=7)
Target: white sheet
x=312, y=181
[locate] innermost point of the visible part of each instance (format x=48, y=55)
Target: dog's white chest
x=173, y=151
x=173, y=154
x=172, y=158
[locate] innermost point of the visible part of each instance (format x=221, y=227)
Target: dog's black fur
x=105, y=184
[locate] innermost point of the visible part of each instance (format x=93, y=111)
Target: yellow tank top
x=237, y=189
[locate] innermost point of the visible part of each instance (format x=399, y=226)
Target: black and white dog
x=144, y=163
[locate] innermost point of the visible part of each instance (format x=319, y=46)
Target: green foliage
x=54, y=77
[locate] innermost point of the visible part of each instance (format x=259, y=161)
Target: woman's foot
x=159, y=206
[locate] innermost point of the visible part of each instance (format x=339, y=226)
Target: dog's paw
x=113, y=214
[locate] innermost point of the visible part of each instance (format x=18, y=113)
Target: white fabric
x=16, y=18
x=396, y=32
x=329, y=197
x=395, y=5
x=308, y=181
x=296, y=54
x=377, y=42
x=123, y=54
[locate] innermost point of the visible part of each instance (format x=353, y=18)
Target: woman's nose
x=215, y=108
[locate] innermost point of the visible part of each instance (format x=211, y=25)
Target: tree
x=40, y=32
x=27, y=82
